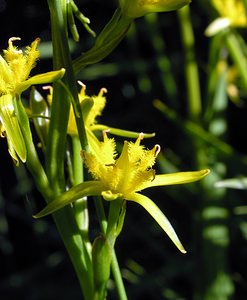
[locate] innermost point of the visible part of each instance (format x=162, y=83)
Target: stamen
x=11, y=47
x=105, y=133
x=47, y=87
x=83, y=88
x=157, y=149
x=81, y=84
x=102, y=92
x=140, y=137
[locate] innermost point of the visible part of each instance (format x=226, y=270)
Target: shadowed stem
x=57, y=142
x=191, y=68
x=114, y=263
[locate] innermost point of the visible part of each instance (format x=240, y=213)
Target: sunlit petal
x=175, y=178
x=12, y=129
x=88, y=188
x=40, y=79
x=159, y=217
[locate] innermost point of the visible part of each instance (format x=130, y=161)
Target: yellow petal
x=21, y=63
x=87, y=188
x=12, y=128
x=99, y=103
x=40, y=79
x=159, y=217
x=175, y=178
x=6, y=76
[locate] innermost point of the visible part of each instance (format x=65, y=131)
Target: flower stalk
x=67, y=126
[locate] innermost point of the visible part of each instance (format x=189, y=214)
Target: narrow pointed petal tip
x=204, y=173
x=176, y=178
x=159, y=217
x=183, y=251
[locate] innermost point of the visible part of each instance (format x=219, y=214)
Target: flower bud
x=139, y=8
x=101, y=256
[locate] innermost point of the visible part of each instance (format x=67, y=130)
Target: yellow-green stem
x=237, y=54
x=191, y=67
x=56, y=145
x=114, y=264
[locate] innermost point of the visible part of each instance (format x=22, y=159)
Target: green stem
x=112, y=230
x=77, y=160
x=215, y=282
x=57, y=136
x=56, y=145
x=61, y=100
x=245, y=6
x=118, y=277
x=80, y=206
x=33, y=162
x=114, y=264
x=191, y=68
x=71, y=236
x=100, y=213
x=64, y=218
x=237, y=54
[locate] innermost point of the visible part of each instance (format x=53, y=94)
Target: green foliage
x=166, y=77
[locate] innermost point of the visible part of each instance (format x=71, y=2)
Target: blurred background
x=166, y=77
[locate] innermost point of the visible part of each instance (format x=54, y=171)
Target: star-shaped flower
x=125, y=177
x=15, y=67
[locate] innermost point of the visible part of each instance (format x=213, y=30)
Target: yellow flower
x=232, y=13
x=15, y=67
x=126, y=174
x=139, y=8
x=92, y=107
x=124, y=177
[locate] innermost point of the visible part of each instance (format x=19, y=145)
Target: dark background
x=33, y=262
